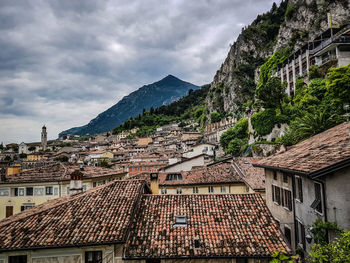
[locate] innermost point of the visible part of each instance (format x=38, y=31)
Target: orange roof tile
x=226, y=225
x=314, y=155
x=100, y=215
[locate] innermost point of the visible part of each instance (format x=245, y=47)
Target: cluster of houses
x=155, y=202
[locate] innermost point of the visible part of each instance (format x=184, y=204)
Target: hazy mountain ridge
x=159, y=93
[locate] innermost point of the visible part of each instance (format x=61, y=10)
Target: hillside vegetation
x=187, y=110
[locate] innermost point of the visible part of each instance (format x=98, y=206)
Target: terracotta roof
x=218, y=173
x=100, y=215
x=58, y=172
x=314, y=155
x=253, y=176
x=226, y=225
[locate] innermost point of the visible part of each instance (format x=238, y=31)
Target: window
x=285, y=178
x=26, y=206
x=100, y=183
x=84, y=187
x=93, y=256
x=39, y=191
x=179, y=191
x=241, y=260
x=49, y=190
x=287, y=199
x=195, y=190
x=274, y=175
x=300, y=234
x=29, y=191
x=20, y=191
x=223, y=189
x=196, y=243
x=67, y=190
x=211, y=189
x=288, y=234
x=317, y=204
x=276, y=194
x=299, y=188
x=163, y=191
x=18, y=259
x=180, y=221
x=94, y=184
x=4, y=191
x=55, y=191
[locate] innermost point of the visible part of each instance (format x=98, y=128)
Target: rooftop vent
x=180, y=221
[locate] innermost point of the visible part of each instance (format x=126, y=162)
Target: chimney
x=154, y=182
x=3, y=175
x=76, y=182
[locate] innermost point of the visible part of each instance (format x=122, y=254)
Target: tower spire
x=43, y=138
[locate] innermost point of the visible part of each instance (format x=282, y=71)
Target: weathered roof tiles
x=314, y=155
x=224, y=225
x=100, y=215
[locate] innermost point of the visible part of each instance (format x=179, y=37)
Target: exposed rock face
x=294, y=23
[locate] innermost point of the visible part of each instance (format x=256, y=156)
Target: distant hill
x=159, y=93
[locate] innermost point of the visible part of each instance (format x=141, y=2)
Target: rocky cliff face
x=293, y=23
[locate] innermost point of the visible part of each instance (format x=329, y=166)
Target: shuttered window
x=317, y=204
x=299, y=189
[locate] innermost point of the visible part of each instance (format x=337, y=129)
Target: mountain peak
x=159, y=93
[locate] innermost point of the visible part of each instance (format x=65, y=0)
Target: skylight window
x=180, y=221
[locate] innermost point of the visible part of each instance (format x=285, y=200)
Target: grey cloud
x=64, y=56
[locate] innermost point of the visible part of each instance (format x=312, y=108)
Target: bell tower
x=43, y=138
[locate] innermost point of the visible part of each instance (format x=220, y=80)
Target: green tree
x=31, y=148
x=338, y=84
x=272, y=93
x=312, y=123
x=281, y=256
x=337, y=251
x=215, y=117
x=235, y=147
x=314, y=72
x=239, y=131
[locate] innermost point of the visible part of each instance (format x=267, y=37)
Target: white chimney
x=76, y=182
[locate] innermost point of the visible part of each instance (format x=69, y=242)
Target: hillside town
x=205, y=178
x=41, y=189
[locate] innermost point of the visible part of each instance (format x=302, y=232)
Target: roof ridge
x=200, y=194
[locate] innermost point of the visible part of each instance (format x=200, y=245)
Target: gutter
x=313, y=175
x=281, y=169
x=64, y=246
x=193, y=257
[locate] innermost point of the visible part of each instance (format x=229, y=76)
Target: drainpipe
x=324, y=208
x=294, y=217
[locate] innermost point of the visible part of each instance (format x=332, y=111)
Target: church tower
x=43, y=138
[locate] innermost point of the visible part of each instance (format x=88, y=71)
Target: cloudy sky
x=64, y=61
